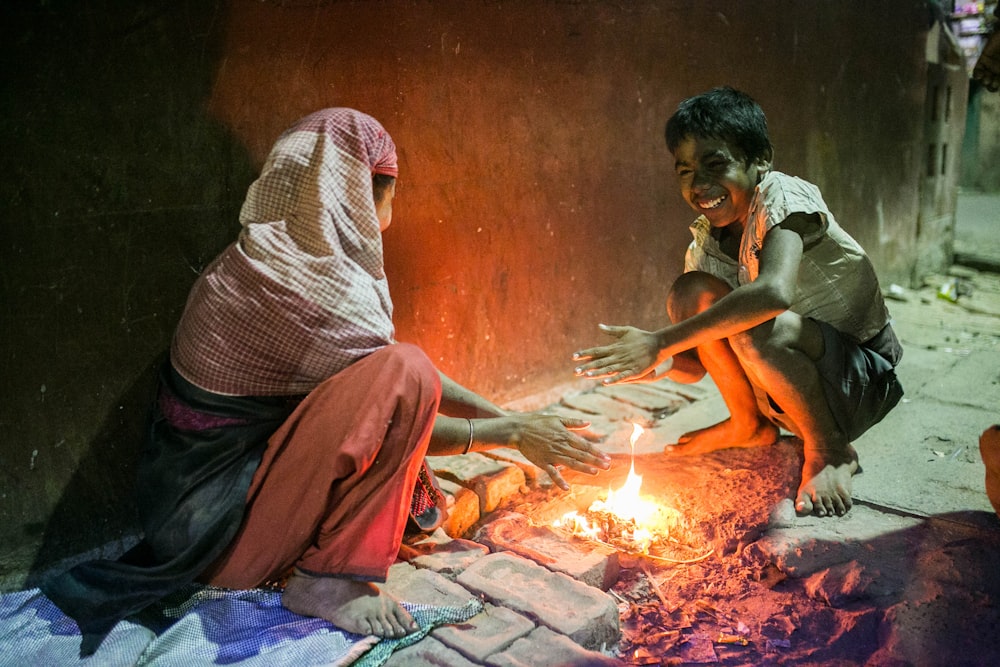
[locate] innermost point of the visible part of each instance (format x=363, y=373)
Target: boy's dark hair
x=722, y=113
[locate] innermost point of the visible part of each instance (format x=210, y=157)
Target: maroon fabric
x=185, y=418
x=332, y=494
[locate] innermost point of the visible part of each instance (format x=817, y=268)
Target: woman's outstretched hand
x=632, y=357
x=552, y=442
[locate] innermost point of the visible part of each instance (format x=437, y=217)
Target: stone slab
x=545, y=648
x=593, y=564
x=486, y=633
x=583, y=613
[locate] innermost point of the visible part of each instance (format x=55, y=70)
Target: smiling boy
x=778, y=304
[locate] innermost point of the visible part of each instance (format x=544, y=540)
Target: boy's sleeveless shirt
x=837, y=283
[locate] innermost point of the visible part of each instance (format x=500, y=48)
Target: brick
x=463, y=508
x=620, y=440
x=651, y=398
x=408, y=584
x=597, y=404
x=533, y=475
x=591, y=563
x=428, y=652
x=440, y=553
x=484, y=634
x=581, y=612
x=491, y=480
x=600, y=425
x=544, y=648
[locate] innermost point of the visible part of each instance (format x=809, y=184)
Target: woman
x=290, y=428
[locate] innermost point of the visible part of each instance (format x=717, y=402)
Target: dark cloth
x=859, y=380
x=192, y=488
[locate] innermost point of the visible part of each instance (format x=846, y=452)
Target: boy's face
x=715, y=179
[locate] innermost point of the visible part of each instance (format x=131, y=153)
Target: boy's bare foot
x=826, y=482
x=989, y=447
x=725, y=435
x=356, y=606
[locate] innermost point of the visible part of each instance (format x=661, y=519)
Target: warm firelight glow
x=629, y=508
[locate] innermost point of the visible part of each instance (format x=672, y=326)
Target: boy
x=777, y=303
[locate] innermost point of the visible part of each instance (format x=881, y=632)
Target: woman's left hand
x=552, y=442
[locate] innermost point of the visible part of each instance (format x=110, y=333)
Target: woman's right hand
x=552, y=443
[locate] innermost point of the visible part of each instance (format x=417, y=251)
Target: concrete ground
x=910, y=576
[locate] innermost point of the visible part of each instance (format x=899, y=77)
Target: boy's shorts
x=859, y=381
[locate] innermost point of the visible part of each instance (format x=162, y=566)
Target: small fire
x=625, y=516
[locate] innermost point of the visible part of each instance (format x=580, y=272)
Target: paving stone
x=440, y=553
x=490, y=479
x=463, y=508
x=408, y=584
x=486, y=633
x=653, y=398
x=593, y=564
x=583, y=613
x=545, y=648
x=428, y=652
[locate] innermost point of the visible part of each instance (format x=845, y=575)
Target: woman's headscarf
x=303, y=293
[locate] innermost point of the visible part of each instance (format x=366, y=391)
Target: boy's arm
x=636, y=353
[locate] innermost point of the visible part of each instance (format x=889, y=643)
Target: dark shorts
x=859, y=380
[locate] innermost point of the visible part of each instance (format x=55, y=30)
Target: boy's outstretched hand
x=632, y=357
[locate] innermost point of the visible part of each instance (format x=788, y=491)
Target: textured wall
x=535, y=198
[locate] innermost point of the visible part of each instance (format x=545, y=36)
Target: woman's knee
x=412, y=364
x=692, y=293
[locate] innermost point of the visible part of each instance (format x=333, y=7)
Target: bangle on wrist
x=472, y=432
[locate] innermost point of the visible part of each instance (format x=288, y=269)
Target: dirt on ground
x=728, y=595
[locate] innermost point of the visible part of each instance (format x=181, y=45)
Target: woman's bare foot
x=826, y=481
x=356, y=606
x=989, y=447
x=725, y=435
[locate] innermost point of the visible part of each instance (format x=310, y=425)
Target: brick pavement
x=546, y=604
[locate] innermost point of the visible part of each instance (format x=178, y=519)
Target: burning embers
x=633, y=523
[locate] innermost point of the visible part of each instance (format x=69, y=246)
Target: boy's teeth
x=713, y=203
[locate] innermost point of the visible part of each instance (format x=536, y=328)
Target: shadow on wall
x=118, y=189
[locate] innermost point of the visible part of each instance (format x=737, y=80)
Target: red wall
x=535, y=199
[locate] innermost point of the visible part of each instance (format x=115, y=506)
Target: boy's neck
x=729, y=238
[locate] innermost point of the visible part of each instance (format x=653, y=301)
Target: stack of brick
x=544, y=594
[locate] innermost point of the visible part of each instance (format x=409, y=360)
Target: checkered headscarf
x=302, y=294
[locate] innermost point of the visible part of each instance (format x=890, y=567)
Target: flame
x=627, y=504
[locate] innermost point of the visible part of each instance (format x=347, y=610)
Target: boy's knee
x=758, y=343
x=692, y=293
